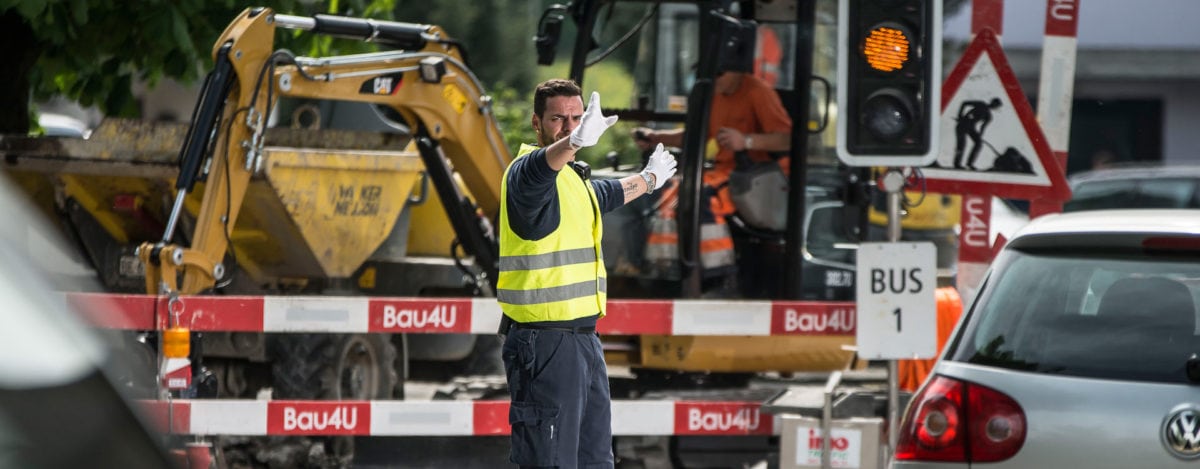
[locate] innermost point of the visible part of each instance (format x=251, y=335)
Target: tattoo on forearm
x=630, y=188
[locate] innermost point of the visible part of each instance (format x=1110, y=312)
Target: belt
x=573, y=330
x=506, y=323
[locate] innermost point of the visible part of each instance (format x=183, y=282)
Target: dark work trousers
x=561, y=411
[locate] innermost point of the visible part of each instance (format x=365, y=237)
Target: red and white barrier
x=1056, y=84
x=360, y=314
x=439, y=418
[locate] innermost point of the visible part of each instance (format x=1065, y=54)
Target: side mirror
x=818, y=117
x=549, y=29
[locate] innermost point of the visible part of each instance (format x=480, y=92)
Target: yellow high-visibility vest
x=561, y=276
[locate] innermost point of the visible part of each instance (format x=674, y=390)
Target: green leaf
x=93, y=86
x=79, y=11
x=174, y=65
x=110, y=66
x=64, y=82
x=31, y=9
x=179, y=29
x=120, y=100
x=86, y=44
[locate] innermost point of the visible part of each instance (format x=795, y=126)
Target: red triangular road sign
x=990, y=140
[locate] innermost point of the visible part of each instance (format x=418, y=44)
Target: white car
x=62, y=403
x=62, y=125
x=1080, y=351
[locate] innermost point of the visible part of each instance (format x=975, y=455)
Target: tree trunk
x=21, y=51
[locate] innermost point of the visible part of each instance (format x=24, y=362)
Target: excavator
x=232, y=204
x=426, y=82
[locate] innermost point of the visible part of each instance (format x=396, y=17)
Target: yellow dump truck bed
x=320, y=203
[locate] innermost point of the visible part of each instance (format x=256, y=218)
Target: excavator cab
x=670, y=53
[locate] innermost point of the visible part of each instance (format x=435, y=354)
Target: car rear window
x=1125, y=317
x=1158, y=192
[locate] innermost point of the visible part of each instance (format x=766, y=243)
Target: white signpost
x=897, y=304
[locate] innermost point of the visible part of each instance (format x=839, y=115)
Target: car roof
x=1136, y=171
x=1108, y=227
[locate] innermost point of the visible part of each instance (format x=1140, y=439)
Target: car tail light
x=933, y=428
x=952, y=420
x=996, y=424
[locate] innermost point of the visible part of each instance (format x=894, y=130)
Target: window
x=1087, y=314
x=826, y=230
x=1157, y=192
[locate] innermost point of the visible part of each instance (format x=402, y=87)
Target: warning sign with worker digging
x=990, y=141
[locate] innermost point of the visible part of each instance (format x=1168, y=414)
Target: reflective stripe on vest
x=716, y=245
x=561, y=276
x=547, y=260
x=662, y=245
x=552, y=294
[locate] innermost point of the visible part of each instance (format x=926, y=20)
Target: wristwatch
x=649, y=182
x=747, y=142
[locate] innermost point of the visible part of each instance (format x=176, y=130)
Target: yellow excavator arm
x=425, y=80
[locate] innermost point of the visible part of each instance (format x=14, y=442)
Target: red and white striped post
x=987, y=14
x=1057, y=85
x=974, y=244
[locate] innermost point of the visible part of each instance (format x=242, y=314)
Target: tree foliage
x=497, y=34
x=514, y=109
x=93, y=51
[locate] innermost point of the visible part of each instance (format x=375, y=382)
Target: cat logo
x=382, y=84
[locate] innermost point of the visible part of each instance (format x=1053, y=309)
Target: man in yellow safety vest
x=552, y=282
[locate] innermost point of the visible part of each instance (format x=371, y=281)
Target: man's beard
x=546, y=138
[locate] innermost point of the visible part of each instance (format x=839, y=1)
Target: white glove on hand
x=662, y=165
x=593, y=124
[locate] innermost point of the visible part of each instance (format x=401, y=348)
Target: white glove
x=592, y=126
x=661, y=165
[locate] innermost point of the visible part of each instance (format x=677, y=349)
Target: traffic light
x=889, y=81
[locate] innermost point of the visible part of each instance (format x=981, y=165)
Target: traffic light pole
x=889, y=102
x=893, y=182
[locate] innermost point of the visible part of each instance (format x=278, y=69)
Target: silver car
x=1078, y=352
x=1135, y=186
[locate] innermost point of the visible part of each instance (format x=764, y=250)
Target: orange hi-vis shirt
x=753, y=108
x=949, y=309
